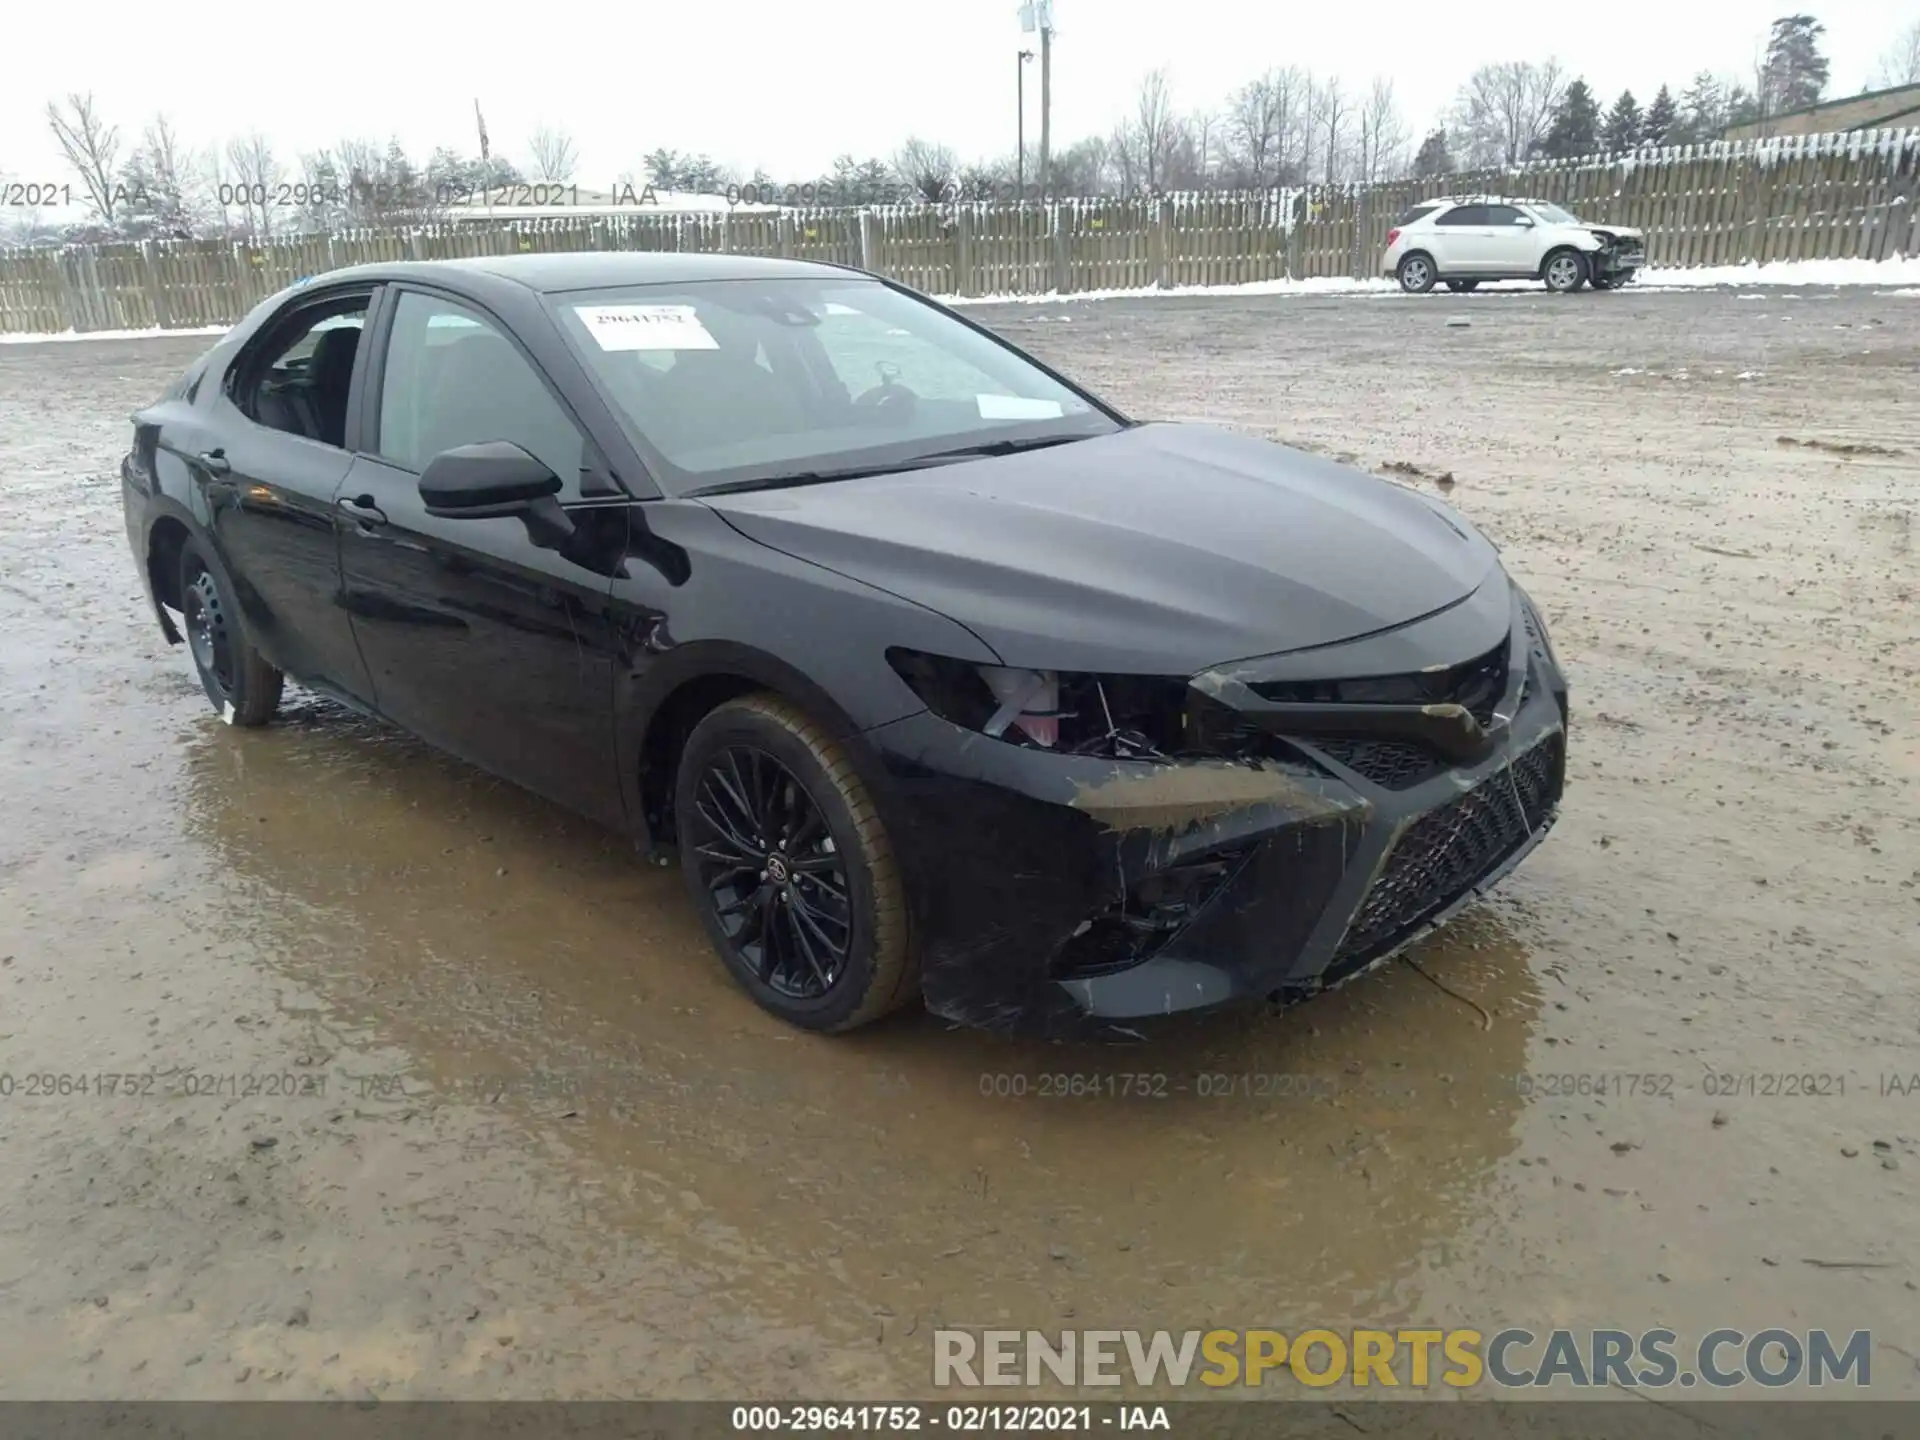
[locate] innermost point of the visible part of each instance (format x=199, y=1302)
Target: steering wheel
x=887, y=398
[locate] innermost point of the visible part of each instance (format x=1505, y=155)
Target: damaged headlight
x=1128, y=717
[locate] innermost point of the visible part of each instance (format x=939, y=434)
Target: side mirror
x=1524, y=223
x=481, y=481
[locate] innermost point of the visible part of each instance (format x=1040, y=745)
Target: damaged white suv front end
x=1460, y=241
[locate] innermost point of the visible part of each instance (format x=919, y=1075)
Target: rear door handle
x=363, y=509
x=214, y=462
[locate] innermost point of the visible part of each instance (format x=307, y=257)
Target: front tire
x=1565, y=271
x=243, y=687
x=790, y=867
x=1416, y=273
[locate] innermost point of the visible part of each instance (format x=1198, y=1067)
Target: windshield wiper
x=862, y=472
x=1004, y=447
x=816, y=477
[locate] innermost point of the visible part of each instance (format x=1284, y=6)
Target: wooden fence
x=1853, y=196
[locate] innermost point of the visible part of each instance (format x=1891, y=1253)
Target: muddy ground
x=538, y=1145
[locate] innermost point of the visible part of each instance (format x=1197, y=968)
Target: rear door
x=268, y=470
x=479, y=641
x=1456, y=240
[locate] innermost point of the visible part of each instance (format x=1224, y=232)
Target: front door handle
x=363, y=509
x=215, y=462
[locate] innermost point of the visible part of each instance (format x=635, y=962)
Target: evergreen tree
x=1703, y=110
x=1795, y=72
x=1575, y=127
x=1622, y=128
x=1433, y=158
x=1661, y=120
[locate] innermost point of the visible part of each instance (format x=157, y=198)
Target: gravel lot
x=445, y=1095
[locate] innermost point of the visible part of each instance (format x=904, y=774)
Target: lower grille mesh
x=1391, y=764
x=1445, y=853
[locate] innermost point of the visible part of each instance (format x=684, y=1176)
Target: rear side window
x=1418, y=212
x=1464, y=215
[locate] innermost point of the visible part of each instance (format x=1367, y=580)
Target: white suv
x=1462, y=240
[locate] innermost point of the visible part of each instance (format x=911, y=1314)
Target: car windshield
x=733, y=384
x=1552, y=214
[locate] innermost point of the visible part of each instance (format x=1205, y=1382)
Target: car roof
x=556, y=272
x=1483, y=200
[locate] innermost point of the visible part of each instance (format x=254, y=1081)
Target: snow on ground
x=1905, y=272
x=108, y=334
x=1787, y=272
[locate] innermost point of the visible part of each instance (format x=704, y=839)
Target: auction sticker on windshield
x=645, y=327
x=1016, y=407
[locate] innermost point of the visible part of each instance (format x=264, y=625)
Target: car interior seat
x=330, y=374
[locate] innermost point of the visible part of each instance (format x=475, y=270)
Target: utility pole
x=1046, y=93
x=1038, y=15
x=1020, y=128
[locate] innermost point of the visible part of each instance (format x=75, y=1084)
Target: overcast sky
x=788, y=86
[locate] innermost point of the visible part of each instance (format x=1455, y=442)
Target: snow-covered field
x=1904, y=272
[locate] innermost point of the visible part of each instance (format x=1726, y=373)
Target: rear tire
x=243, y=687
x=1463, y=287
x=1416, y=273
x=1565, y=271
x=791, y=868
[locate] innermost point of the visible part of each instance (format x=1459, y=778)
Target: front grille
x=1446, y=852
x=1392, y=764
x=1476, y=685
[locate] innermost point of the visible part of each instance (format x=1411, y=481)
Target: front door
x=1510, y=241
x=479, y=641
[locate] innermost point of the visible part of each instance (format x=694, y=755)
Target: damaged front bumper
x=1075, y=895
x=1618, y=256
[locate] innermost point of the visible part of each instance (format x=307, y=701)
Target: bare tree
x=1383, y=135
x=1194, y=155
x=92, y=148
x=1126, y=158
x=253, y=175
x=1308, y=116
x=1250, y=127
x=1335, y=114
x=554, y=157
x=1900, y=62
x=1503, y=110
x=1155, y=127
x=929, y=170
x=162, y=182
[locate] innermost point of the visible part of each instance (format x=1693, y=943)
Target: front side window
x=737, y=382
x=1503, y=215
x=452, y=378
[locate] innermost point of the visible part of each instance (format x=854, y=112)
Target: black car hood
x=1162, y=549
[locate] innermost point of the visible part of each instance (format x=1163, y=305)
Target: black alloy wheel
x=790, y=866
x=776, y=883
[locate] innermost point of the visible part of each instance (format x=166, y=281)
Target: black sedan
x=940, y=677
